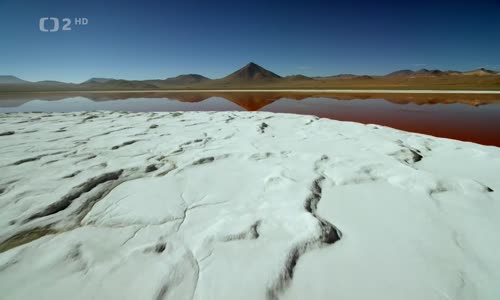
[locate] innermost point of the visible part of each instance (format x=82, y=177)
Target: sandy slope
x=242, y=206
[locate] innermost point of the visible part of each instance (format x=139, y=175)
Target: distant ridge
x=98, y=80
x=116, y=84
x=480, y=72
x=298, y=77
x=251, y=72
x=347, y=76
x=187, y=79
x=426, y=72
x=436, y=72
x=53, y=82
x=253, y=76
x=9, y=79
x=401, y=73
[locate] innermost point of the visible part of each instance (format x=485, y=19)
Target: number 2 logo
x=67, y=24
x=55, y=21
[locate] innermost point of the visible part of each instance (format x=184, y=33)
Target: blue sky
x=159, y=39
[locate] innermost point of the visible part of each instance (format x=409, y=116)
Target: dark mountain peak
x=252, y=66
x=250, y=72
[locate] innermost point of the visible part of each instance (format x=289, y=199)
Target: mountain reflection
x=254, y=101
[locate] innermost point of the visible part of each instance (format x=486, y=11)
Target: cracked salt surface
x=103, y=205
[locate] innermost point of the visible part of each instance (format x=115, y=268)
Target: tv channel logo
x=54, y=24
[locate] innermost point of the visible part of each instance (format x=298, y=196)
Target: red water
x=456, y=121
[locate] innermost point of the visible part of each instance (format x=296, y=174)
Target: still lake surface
x=468, y=119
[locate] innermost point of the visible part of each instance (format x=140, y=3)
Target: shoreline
x=367, y=91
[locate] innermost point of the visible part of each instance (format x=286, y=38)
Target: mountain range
x=254, y=76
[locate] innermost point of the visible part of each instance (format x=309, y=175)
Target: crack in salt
x=75, y=193
x=329, y=234
x=251, y=234
x=25, y=160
